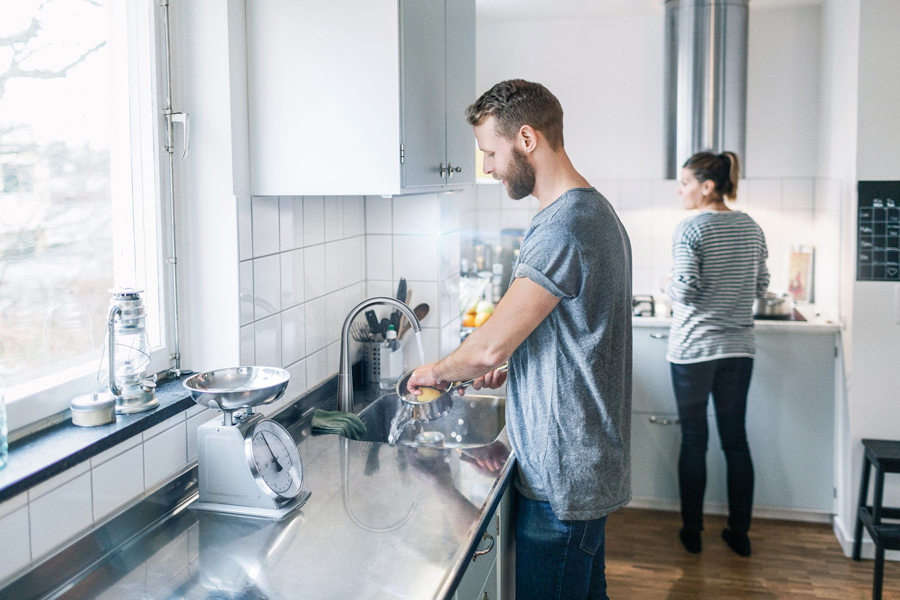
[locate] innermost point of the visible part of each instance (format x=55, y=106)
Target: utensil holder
x=371, y=361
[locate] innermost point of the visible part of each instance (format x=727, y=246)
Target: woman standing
x=719, y=269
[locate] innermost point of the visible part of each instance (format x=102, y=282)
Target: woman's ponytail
x=734, y=174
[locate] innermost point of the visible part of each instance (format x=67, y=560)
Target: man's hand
x=491, y=380
x=424, y=376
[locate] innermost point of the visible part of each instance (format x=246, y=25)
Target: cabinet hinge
x=402, y=154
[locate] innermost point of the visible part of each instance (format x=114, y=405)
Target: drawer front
x=479, y=568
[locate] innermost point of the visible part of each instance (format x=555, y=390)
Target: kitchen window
x=82, y=177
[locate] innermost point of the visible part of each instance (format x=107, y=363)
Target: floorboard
x=645, y=561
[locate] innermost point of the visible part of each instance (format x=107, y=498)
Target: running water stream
x=404, y=415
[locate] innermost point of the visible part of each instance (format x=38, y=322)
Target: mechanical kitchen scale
x=248, y=465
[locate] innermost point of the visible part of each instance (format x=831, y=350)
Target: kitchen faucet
x=345, y=377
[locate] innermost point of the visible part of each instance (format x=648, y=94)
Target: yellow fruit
x=481, y=317
x=468, y=321
x=484, y=307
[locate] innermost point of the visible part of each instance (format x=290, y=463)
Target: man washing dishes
x=564, y=325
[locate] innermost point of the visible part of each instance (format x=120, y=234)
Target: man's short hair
x=517, y=102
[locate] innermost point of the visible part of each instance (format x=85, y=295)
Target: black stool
x=884, y=455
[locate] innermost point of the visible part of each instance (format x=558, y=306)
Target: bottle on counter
x=391, y=360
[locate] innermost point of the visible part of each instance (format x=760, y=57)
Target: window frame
x=141, y=178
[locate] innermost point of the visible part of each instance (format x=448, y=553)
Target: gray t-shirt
x=568, y=410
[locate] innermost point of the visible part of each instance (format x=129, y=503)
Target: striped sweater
x=719, y=269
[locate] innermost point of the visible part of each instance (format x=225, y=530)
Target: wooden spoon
x=421, y=312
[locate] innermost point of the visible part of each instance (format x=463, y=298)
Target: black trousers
x=728, y=380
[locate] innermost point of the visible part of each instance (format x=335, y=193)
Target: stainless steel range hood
x=706, y=79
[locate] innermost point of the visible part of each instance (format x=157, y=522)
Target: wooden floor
x=645, y=561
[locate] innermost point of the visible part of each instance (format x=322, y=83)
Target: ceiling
x=544, y=10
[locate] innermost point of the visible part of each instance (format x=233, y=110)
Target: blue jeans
x=557, y=560
x=728, y=380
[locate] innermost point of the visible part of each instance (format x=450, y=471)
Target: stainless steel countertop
x=382, y=522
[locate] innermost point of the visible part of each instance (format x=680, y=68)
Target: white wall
x=872, y=335
x=608, y=75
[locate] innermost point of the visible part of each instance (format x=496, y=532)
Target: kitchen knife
x=372, y=319
x=401, y=290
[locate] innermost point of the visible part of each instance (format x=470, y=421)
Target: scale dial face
x=274, y=460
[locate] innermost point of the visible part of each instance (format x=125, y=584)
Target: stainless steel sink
x=473, y=421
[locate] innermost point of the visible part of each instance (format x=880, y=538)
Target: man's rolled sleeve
x=555, y=263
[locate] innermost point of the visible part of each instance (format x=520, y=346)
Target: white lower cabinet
x=790, y=425
x=486, y=575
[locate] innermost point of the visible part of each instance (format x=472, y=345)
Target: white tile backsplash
x=245, y=282
x=316, y=368
x=118, y=481
x=247, y=347
x=313, y=220
x=268, y=341
x=293, y=279
x=316, y=324
x=116, y=450
x=314, y=271
x=334, y=266
x=379, y=257
x=798, y=194
x=450, y=207
x=764, y=193
x=488, y=195
x=293, y=337
x=378, y=215
x=265, y=225
x=353, y=260
x=297, y=384
x=449, y=255
x=14, y=556
x=60, y=514
x=58, y=480
x=7, y=507
x=354, y=222
x=165, y=454
x=266, y=286
x=416, y=257
x=245, y=228
x=290, y=219
x=418, y=214
x=334, y=218
x=636, y=194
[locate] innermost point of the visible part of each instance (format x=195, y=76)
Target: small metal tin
x=94, y=409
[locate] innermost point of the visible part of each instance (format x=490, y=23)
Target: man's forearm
x=472, y=359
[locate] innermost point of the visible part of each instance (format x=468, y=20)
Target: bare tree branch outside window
x=55, y=185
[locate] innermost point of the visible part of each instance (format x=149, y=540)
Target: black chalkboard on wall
x=878, y=231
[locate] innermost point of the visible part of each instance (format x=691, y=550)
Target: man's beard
x=520, y=176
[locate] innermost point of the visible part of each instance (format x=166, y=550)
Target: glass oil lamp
x=128, y=348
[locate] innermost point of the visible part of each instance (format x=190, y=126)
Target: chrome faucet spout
x=345, y=377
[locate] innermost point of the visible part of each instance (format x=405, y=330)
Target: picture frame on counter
x=801, y=263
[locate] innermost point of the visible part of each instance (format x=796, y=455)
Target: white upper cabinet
x=354, y=97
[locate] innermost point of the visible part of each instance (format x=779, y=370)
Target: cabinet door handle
x=657, y=421
x=478, y=553
x=659, y=336
x=449, y=169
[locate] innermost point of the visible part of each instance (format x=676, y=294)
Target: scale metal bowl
x=237, y=387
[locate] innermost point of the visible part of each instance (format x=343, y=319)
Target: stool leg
x=879, y=572
x=863, y=493
x=878, y=494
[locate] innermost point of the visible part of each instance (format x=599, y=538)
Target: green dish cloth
x=342, y=423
